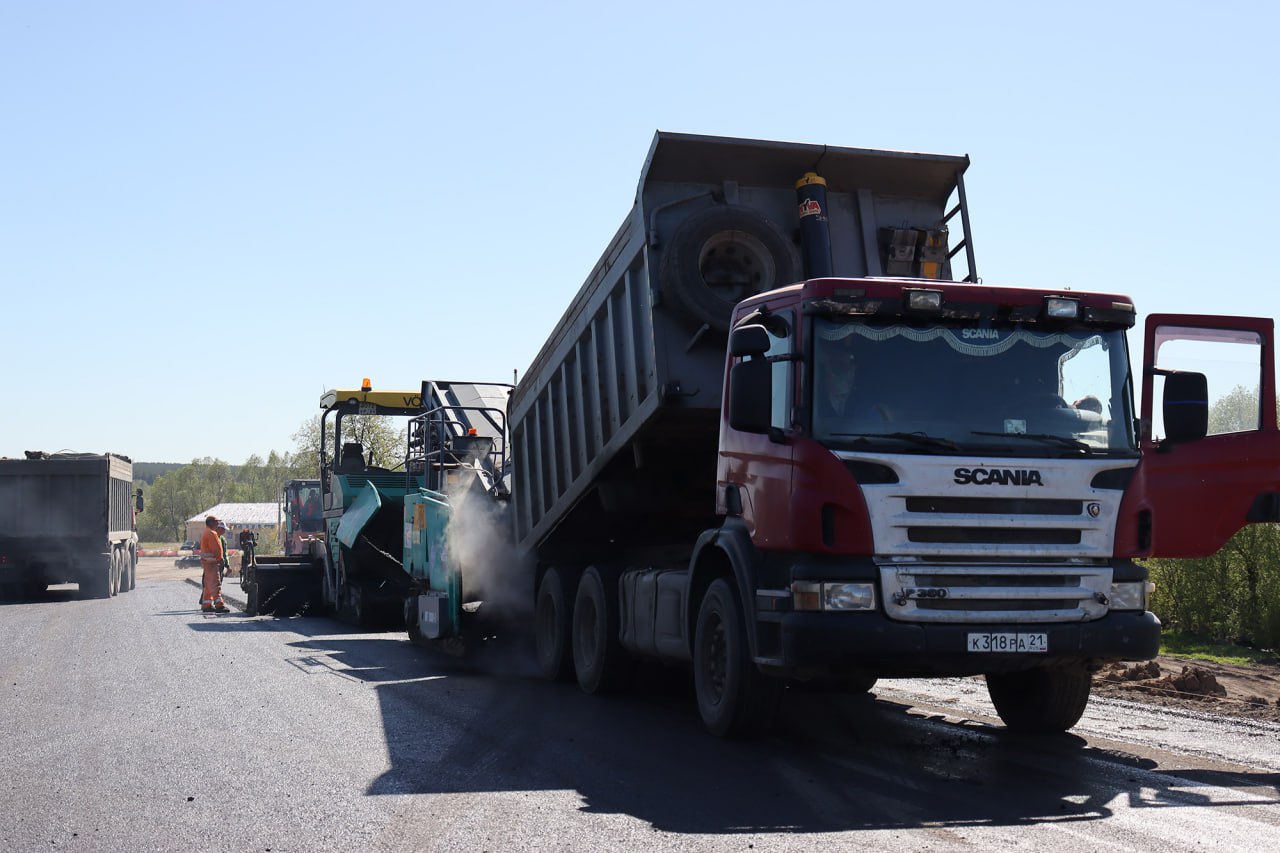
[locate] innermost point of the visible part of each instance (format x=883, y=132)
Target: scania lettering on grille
x=998, y=477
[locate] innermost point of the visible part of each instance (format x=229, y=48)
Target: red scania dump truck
x=783, y=433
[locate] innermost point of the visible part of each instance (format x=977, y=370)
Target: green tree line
x=190, y=489
x=196, y=487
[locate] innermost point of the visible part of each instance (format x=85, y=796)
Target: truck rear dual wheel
x=600, y=662
x=98, y=583
x=1040, y=700
x=734, y=697
x=551, y=627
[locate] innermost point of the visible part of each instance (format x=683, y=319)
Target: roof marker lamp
x=924, y=301
x=1061, y=308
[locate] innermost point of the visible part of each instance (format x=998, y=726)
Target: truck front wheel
x=734, y=697
x=552, y=627
x=1040, y=700
x=601, y=664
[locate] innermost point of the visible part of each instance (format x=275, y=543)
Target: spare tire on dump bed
x=722, y=255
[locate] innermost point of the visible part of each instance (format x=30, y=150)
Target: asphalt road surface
x=138, y=723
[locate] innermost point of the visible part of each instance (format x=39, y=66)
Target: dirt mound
x=1249, y=691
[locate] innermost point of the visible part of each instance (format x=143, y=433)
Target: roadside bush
x=1233, y=596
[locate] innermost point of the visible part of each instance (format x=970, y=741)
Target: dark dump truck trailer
x=68, y=518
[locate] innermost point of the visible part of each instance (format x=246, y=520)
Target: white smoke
x=479, y=543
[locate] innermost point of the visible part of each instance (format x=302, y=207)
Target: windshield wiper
x=1047, y=438
x=913, y=437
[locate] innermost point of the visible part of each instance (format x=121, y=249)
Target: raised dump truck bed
x=614, y=427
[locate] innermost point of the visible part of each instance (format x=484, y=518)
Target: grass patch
x=1176, y=644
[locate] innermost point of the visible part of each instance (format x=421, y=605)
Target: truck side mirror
x=750, y=381
x=748, y=340
x=1186, y=406
x=138, y=501
x=751, y=395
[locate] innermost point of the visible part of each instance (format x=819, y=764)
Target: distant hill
x=148, y=471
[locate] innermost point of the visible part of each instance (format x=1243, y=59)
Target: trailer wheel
x=720, y=256
x=601, y=664
x=98, y=582
x=125, y=564
x=552, y=628
x=1040, y=700
x=734, y=698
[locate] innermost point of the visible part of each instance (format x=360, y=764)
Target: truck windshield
x=977, y=388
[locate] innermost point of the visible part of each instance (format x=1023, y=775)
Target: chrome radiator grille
x=960, y=593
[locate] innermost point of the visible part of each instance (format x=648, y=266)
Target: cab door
x=1210, y=447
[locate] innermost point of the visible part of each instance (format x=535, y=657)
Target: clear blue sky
x=252, y=202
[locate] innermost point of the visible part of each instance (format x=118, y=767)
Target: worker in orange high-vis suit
x=212, y=554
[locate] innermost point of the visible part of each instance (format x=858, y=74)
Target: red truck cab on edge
x=966, y=517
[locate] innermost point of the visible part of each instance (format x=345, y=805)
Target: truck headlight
x=811, y=595
x=1130, y=595
x=848, y=596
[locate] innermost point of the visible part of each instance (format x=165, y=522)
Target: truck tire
x=115, y=571
x=551, y=628
x=97, y=584
x=1040, y=700
x=734, y=698
x=133, y=570
x=720, y=256
x=599, y=661
x=124, y=569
